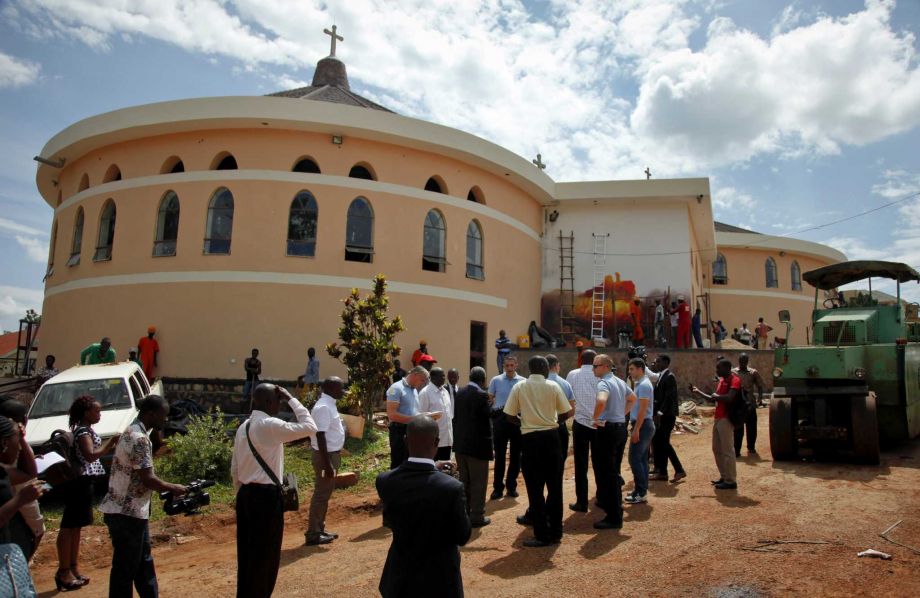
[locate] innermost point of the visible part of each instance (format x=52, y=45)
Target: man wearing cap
x=148, y=347
x=422, y=350
x=426, y=361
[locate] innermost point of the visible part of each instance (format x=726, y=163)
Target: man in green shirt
x=101, y=352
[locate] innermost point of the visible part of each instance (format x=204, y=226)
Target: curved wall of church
x=210, y=310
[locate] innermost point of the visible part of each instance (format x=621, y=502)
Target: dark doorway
x=478, y=344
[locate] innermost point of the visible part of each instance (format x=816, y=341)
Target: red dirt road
x=687, y=541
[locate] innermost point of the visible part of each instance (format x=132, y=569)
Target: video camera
x=195, y=497
x=637, y=351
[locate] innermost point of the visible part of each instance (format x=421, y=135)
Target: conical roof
x=330, y=84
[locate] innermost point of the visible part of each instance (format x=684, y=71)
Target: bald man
x=327, y=456
x=426, y=509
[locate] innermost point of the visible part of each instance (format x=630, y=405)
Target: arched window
x=720, y=270
x=112, y=174
x=164, y=243
x=51, y=246
x=436, y=185
x=474, y=268
x=224, y=161
x=362, y=171
x=84, y=183
x=433, y=245
x=173, y=164
x=359, y=232
x=77, y=243
x=302, y=225
x=220, y=223
x=106, y=232
x=796, y=276
x=770, y=270
x=306, y=165
x=476, y=195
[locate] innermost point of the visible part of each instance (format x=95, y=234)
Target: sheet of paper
x=43, y=462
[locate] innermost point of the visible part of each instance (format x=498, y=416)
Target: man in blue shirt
x=641, y=412
x=610, y=422
x=504, y=432
x=402, y=406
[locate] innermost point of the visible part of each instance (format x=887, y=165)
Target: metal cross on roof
x=334, y=37
x=539, y=162
x=648, y=173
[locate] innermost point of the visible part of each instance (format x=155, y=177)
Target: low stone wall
x=211, y=393
x=691, y=366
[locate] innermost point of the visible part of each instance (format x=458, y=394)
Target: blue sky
x=799, y=112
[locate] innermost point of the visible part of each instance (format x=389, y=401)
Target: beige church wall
x=634, y=229
x=203, y=327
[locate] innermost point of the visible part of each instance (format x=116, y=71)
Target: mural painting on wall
x=625, y=310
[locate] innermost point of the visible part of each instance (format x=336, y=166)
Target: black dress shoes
x=726, y=486
x=537, y=543
x=524, y=520
x=607, y=524
x=319, y=539
x=485, y=521
x=578, y=508
x=512, y=493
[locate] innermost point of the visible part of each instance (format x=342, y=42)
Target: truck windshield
x=56, y=399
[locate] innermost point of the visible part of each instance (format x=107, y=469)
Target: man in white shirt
x=435, y=398
x=584, y=434
x=259, y=508
x=327, y=457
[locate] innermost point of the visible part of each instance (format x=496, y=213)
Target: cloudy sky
x=801, y=112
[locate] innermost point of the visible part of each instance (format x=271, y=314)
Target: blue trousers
x=638, y=456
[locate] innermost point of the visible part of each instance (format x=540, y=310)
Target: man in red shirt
x=148, y=348
x=723, y=431
x=422, y=350
x=683, y=323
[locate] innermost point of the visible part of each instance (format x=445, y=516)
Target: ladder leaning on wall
x=598, y=295
x=567, y=319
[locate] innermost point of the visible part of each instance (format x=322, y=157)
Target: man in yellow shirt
x=537, y=405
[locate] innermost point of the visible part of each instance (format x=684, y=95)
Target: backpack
x=62, y=443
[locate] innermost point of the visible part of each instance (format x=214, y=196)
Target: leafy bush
x=204, y=452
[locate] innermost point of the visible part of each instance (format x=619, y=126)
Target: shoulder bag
x=15, y=579
x=289, y=498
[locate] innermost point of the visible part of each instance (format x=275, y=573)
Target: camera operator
x=259, y=505
x=126, y=506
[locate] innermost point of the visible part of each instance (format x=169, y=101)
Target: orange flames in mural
x=620, y=294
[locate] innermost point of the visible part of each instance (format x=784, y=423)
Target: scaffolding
x=567, y=319
x=598, y=294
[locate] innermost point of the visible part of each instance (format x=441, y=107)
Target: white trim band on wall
x=362, y=186
x=766, y=294
x=321, y=280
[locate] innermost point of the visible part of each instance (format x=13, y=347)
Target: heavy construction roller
x=856, y=387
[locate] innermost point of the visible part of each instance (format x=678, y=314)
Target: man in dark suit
x=665, y=415
x=426, y=509
x=473, y=443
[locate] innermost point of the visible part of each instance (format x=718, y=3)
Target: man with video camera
x=126, y=506
x=257, y=468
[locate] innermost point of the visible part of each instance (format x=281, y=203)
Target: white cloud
x=35, y=249
x=11, y=226
x=729, y=199
x=15, y=72
x=897, y=184
x=14, y=301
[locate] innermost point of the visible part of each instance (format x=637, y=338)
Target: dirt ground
x=688, y=540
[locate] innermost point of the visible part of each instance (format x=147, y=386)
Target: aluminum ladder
x=598, y=294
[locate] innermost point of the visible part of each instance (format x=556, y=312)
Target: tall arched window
x=84, y=183
x=106, y=232
x=720, y=270
x=476, y=195
x=306, y=165
x=796, y=276
x=302, y=225
x=770, y=270
x=112, y=174
x=77, y=242
x=474, y=268
x=359, y=232
x=436, y=185
x=224, y=161
x=220, y=223
x=434, y=242
x=173, y=164
x=164, y=243
x=362, y=171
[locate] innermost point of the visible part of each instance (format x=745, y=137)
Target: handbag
x=15, y=579
x=289, y=499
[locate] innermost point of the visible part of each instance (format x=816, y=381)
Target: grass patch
x=366, y=456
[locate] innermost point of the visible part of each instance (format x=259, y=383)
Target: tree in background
x=367, y=346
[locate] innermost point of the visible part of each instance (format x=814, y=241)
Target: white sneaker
x=635, y=499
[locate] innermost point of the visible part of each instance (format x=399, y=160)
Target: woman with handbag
x=78, y=507
x=11, y=500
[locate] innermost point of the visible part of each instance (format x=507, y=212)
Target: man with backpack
x=730, y=408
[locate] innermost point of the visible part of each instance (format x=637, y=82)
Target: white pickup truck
x=118, y=387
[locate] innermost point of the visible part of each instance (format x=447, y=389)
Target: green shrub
x=204, y=452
